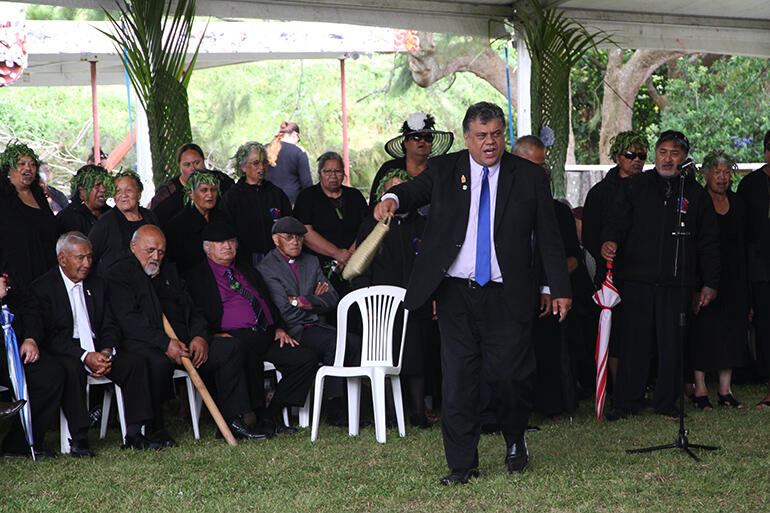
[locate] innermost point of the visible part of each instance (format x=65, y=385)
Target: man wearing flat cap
x=236, y=303
x=303, y=294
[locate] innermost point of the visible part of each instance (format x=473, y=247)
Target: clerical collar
x=288, y=260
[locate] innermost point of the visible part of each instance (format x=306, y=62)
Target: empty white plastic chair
x=193, y=398
x=378, y=306
x=64, y=430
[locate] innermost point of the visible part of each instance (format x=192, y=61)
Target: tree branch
x=658, y=98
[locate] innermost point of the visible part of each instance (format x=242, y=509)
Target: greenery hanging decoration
x=154, y=36
x=555, y=44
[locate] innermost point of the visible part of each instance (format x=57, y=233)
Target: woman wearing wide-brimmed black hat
x=411, y=149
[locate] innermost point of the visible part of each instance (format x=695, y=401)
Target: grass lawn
x=575, y=466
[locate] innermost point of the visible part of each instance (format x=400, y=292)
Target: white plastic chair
x=64, y=430
x=193, y=398
x=378, y=306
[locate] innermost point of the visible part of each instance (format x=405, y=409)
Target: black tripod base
x=680, y=443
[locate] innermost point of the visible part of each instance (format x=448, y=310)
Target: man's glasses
x=420, y=137
x=332, y=171
x=288, y=237
x=631, y=155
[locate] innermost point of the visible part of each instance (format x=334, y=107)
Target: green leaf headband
x=243, y=151
x=14, y=150
x=714, y=157
x=625, y=140
x=393, y=173
x=128, y=173
x=89, y=176
x=196, y=180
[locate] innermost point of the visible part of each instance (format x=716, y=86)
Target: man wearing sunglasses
x=410, y=150
x=629, y=151
x=657, y=264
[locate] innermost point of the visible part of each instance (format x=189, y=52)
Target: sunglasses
x=420, y=137
x=631, y=155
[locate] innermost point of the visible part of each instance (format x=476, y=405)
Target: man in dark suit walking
x=76, y=325
x=477, y=259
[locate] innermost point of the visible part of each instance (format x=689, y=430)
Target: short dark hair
x=767, y=139
x=678, y=138
x=327, y=156
x=189, y=147
x=527, y=141
x=484, y=112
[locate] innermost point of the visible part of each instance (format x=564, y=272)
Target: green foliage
x=154, y=37
x=196, y=180
x=555, y=43
x=49, y=12
x=13, y=151
x=90, y=175
x=725, y=106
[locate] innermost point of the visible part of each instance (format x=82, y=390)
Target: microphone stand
x=681, y=441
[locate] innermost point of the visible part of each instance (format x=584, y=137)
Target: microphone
x=687, y=167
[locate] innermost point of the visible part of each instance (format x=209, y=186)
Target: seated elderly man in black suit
x=144, y=291
x=76, y=326
x=236, y=303
x=302, y=293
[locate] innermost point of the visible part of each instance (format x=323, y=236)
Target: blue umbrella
x=16, y=373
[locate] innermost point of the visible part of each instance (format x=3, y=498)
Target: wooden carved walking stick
x=198, y=382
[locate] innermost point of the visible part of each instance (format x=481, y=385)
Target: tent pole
x=97, y=147
x=345, y=148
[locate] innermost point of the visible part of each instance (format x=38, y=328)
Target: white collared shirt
x=76, y=297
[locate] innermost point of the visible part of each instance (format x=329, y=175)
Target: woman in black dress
x=720, y=330
x=253, y=204
x=112, y=233
x=332, y=213
x=29, y=229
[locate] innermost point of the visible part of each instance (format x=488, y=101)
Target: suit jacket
x=524, y=207
x=282, y=283
x=54, y=326
x=205, y=293
x=139, y=308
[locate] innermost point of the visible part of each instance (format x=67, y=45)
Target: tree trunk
x=621, y=85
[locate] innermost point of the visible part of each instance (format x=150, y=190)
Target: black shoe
x=532, y=429
x=729, y=400
x=671, y=412
x=141, y=442
x=242, y=432
x=419, y=420
x=81, y=449
x=40, y=452
x=9, y=409
x=517, y=457
x=490, y=429
x=276, y=425
x=342, y=422
x=95, y=416
x=616, y=414
x=162, y=437
x=459, y=476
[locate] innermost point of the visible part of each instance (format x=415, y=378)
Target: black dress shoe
x=81, y=449
x=141, y=442
x=162, y=437
x=616, y=414
x=420, y=420
x=342, y=422
x=532, y=429
x=242, y=432
x=40, y=452
x=276, y=425
x=459, y=476
x=517, y=457
x=9, y=409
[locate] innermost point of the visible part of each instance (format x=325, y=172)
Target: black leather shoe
x=532, y=429
x=459, y=476
x=81, y=449
x=517, y=457
x=9, y=409
x=141, y=442
x=242, y=432
x=616, y=414
x=40, y=453
x=276, y=425
x=420, y=420
x=162, y=437
x=342, y=422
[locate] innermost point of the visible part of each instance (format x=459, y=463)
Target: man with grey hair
x=76, y=325
x=476, y=260
x=145, y=290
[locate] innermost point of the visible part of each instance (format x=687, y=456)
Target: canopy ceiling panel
x=739, y=27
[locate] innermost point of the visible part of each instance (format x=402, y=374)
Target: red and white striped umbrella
x=606, y=297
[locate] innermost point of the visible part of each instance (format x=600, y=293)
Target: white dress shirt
x=80, y=320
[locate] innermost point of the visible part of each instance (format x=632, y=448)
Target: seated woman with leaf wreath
x=91, y=187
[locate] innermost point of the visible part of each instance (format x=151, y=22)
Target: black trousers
x=650, y=320
x=45, y=382
x=322, y=340
x=297, y=365
x=761, y=302
x=480, y=337
x=224, y=366
x=129, y=372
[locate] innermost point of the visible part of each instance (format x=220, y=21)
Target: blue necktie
x=483, y=257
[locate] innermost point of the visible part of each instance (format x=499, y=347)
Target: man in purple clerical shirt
x=236, y=303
